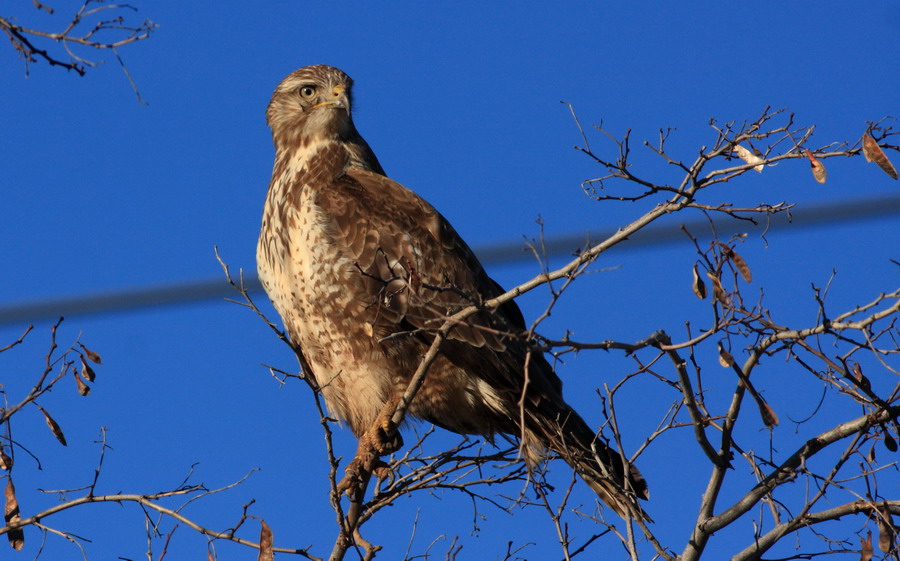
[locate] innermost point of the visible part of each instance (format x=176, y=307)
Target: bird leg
x=381, y=438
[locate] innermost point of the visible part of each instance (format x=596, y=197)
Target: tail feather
x=618, y=492
x=616, y=482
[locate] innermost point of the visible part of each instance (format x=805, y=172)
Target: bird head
x=312, y=103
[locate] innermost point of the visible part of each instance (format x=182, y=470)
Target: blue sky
x=461, y=104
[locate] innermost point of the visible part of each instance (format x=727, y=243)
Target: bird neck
x=322, y=158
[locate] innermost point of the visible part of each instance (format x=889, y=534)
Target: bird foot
x=383, y=436
x=382, y=470
x=360, y=470
x=354, y=476
x=381, y=439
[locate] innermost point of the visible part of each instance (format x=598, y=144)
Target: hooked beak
x=338, y=99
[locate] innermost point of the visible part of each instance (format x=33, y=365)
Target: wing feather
x=417, y=271
x=415, y=265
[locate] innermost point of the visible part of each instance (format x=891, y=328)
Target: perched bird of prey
x=363, y=272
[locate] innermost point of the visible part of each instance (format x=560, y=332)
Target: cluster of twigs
x=89, y=28
x=78, y=362
x=831, y=350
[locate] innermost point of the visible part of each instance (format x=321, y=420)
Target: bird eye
x=307, y=92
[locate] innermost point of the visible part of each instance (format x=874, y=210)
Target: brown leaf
x=83, y=388
x=869, y=147
x=770, y=419
x=92, y=356
x=5, y=461
x=871, y=456
x=718, y=290
x=889, y=441
x=725, y=358
x=54, y=426
x=859, y=377
x=818, y=168
x=12, y=515
x=265, y=542
x=87, y=371
x=885, y=529
x=866, y=552
x=749, y=157
x=873, y=153
x=741, y=265
x=699, y=287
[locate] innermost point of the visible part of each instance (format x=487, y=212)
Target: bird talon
x=382, y=470
x=352, y=477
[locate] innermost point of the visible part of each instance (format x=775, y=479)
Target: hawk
x=363, y=271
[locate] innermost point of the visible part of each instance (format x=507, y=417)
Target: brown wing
x=418, y=271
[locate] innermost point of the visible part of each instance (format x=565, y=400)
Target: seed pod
x=17, y=536
x=83, y=389
x=54, y=426
x=718, y=290
x=741, y=265
x=818, y=168
x=87, y=371
x=885, y=529
x=873, y=153
x=770, y=419
x=749, y=157
x=265, y=542
x=699, y=287
x=92, y=356
x=725, y=358
x=866, y=551
x=889, y=441
x=5, y=461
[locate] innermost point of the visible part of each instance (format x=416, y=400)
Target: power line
x=496, y=254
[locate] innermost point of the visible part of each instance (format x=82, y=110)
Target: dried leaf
x=725, y=358
x=889, y=441
x=873, y=153
x=866, y=552
x=859, y=377
x=718, y=290
x=871, y=456
x=92, y=356
x=265, y=542
x=54, y=427
x=818, y=168
x=5, y=461
x=17, y=536
x=83, y=388
x=770, y=419
x=749, y=157
x=741, y=265
x=699, y=287
x=210, y=556
x=869, y=147
x=885, y=529
x=87, y=371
